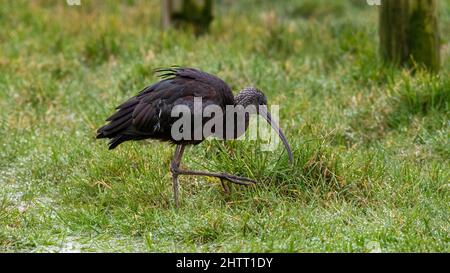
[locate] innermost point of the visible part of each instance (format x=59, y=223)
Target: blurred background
x=364, y=95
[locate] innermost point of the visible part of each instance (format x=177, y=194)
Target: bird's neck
x=238, y=100
x=243, y=99
x=241, y=117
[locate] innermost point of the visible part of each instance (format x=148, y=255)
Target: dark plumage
x=148, y=115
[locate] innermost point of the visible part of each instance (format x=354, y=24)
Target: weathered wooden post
x=409, y=33
x=166, y=9
x=179, y=13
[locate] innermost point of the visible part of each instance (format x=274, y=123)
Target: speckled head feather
x=250, y=96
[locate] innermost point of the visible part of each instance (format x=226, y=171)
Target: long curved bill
x=266, y=115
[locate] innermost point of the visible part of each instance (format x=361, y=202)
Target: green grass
x=371, y=143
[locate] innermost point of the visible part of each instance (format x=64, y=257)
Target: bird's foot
x=238, y=179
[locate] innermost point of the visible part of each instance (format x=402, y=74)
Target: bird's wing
x=149, y=112
x=154, y=109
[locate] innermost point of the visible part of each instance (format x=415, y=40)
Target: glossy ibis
x=148, y=115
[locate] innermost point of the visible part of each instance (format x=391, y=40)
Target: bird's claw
x=238, y=179
x=225, y=186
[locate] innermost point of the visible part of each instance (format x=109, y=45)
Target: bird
x=148, y=115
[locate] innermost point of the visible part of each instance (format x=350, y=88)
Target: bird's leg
x=176, y=171
x=174, y=167
x=232, y=178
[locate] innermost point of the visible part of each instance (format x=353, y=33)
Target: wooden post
x=180, y=13
x=166, y=9
x=409, y=33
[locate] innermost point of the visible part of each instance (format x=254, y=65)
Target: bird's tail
x=114, y=142
x=118, y=124
x=115, y=138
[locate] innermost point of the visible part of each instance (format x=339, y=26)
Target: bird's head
x=252, y=96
